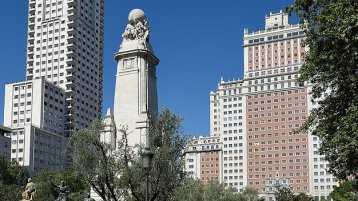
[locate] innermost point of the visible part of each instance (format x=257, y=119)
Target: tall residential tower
x=64, y=75
x=65, y=47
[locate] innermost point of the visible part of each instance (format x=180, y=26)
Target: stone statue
x=137, y=27
x=63, y=191
x=88, y=197
x=30, y=191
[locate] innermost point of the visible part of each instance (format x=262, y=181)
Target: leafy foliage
x=12, y=180
x=346, y=191
x=331, y=65
x=97, y=161
x=284, y=194
x=45, y=180
x=196, y=190
x=117, y=174
x=303, y=197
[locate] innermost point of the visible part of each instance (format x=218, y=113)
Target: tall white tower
x=65, y=47
x=63, y=87
x=135, y=101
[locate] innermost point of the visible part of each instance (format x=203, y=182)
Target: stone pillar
x=135, y=102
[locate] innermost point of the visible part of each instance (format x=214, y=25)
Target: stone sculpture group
x=30, y=192
x=137, y=28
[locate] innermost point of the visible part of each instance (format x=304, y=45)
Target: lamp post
x=147, y=156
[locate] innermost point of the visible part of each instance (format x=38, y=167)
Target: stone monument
x=62, y=196
x=135, y=102
x=30, y=191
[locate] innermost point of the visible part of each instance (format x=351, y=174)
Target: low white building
x=35, y=112
x=203, y=156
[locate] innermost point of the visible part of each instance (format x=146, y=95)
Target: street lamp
x=147, y=156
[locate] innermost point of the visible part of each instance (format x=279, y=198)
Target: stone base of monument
x=95, y=196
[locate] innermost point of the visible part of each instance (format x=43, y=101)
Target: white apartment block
x=255, y=117
x=35, y=111
x=321, y=182
x=203, y=156
x=227, y=122
x=36, y=149
x=37, y=102
x=64, y=74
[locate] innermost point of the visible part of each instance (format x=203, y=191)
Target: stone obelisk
x=135, y=101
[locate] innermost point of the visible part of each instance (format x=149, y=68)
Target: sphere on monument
x=136, y=14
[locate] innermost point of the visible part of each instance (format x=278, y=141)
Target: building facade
x=64, y=74
x=255, y=118
x=65, y=47
x=203, y=158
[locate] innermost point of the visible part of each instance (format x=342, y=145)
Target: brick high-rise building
x=255, y=117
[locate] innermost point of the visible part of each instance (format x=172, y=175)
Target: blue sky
x=196, y=41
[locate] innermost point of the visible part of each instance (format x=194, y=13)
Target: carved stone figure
x=137, y=27
x=63, y=192
x=30, y=191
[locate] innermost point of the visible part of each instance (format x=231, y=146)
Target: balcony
x=32, y=3
x=31, y=34
x=71, y=3
x=71, y=46
x=71, y=38
x=31, y=41
x=31, y=19
x=70, y=99
x=70, y=92
x=30, y=67
x=32, y=10
x=71, y=10
x=30, y=61
x=30, y=50
x=70, y=70
x=72, y=20
x=71, y=30
x=29, y=77
x=70, y=83
x=71, y=60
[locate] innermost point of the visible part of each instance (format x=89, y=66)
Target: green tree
x=117, y=173
x=74, y=181
x=303, y=197
x=189, y=190
x=346, y=191
x=284, y=194
x=13, y=179
x=250, y=194
x=97, y=161
x=196, y=190
x=331, y=65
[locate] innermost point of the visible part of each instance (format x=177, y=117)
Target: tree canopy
x=331, y=68
x=346, y=191
x=47, y=178
x=13, y=178
x=197, y=190
x=116, y=174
